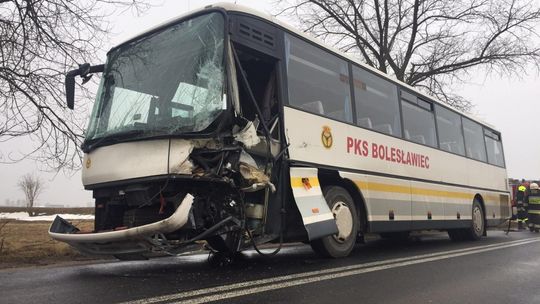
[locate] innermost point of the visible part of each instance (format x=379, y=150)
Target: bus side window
x=365, y=122
x=449, y=128
x=385, y=128
x=318, y=81
x=494, y=148
x=474, y=140
x=313, y=107
x=376, y=102
x=419, y=122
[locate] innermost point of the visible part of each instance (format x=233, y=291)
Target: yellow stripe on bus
x=296, y=182
x=411, y=190
x=501, y=198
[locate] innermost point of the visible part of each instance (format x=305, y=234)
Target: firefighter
x=521, y=206
x=534, y=208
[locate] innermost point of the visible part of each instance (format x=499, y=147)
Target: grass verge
x=28, y=244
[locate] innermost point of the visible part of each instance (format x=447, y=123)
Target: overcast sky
x=511, y=105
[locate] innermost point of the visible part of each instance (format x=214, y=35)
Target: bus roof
x=247, y=10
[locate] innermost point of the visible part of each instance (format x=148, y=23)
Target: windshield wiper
x=114, y=138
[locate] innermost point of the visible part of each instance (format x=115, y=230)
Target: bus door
x=255, y=61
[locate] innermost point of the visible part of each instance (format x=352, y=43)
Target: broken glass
x=165, y=83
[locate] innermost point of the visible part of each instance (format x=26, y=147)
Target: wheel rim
x=344, y=221
x=478, y=221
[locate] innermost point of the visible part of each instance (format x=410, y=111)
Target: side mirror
x=85, y=70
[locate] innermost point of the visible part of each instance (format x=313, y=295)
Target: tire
x=478, y=226
x=478, y=223
x=342, y=206
x=225, y=243
x=456, y=235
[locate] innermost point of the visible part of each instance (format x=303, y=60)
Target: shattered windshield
x=166, y=83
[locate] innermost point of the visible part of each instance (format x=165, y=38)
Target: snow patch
x=23, y=216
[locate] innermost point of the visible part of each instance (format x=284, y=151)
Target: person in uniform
x=521, y=206
x=534, y=208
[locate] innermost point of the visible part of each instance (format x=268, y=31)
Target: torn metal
x=256, y=178
x=248, y=135
x=137, y=239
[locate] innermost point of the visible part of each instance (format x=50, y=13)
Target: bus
x=227, y=127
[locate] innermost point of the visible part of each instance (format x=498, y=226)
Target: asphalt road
x=497, y=269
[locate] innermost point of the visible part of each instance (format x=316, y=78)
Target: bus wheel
x=478, y=223
x=456, y=235
x=342, y=206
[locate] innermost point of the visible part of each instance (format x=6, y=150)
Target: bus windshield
x=169, y=82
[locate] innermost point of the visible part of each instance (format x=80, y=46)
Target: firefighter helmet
x=534, y=186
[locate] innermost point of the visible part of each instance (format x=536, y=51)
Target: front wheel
x=342, y=206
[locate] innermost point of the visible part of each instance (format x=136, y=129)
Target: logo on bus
x=326, y=137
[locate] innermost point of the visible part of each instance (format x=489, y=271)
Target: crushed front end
x=171, y=155
x=214, y=191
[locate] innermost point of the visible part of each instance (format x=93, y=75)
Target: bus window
x=494, y=148
x=419, y=123
x=318, y=81
x=474, y=142
x=376, y=103
x=450, y=134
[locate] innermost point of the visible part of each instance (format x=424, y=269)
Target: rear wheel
x=342, y=206
x=477, y=228
x=478, y=224
x=456, y=235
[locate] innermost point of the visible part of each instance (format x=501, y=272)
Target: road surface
x=497, y=269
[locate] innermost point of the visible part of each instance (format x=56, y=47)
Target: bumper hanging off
x=139, y=239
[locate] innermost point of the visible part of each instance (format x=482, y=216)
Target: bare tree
x=32, y=186
x=40, y=40
x=428, y=43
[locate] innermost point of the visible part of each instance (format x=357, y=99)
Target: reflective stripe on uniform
x=534, y=200
x=522, y=188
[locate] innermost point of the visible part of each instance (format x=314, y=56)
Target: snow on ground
x=23, y=216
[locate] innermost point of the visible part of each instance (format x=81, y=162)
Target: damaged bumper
x=133, y=240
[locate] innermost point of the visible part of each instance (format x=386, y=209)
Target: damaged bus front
x=171, y=155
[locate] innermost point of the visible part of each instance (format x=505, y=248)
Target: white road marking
x=257, y=286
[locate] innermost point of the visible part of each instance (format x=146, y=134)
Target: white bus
x=228, y=126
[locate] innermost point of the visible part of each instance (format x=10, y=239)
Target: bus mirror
x=85, y=71
x=70, y=88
